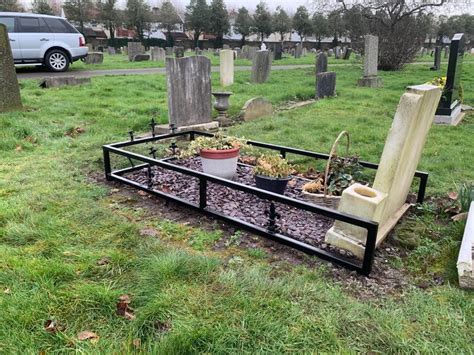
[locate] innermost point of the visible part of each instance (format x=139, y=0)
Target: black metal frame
x=269, y=232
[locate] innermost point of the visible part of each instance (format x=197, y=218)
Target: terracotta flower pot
x=276, y=185
x=221, y=163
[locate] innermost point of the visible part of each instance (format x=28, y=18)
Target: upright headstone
x=325, y=84
x=449, y=109
x=189, y=90
x=298, y=51
x=251, y=52
x=94, y=58
x=337, y=52
x=437, y=59
x=134, y=48
x=321, y=63
x=10, y=98
x=330, y=52
x=169, y=51
x=179, y=51
x=386, y=201
x=277, y=51
x=371, y=54
x=261, y=66
x=347, y=53
x=446, y=52
x=157, y=54
x=304, y=52
x=111, y=50
x=226, y=61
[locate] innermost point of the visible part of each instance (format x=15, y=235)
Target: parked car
x=43, y=39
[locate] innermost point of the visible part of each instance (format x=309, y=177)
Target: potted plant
x=219, y=154
x=272, y=173
x=340, y=173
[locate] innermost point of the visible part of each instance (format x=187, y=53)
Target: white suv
x=42, y=39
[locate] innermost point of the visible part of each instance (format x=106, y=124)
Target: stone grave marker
x=337, y=52
x=133, y=49
x=449, y=109
x=325, y=84
x=465, y=263
x=347, y=53
x=10, y=98
x=251, y=52
x=226, y=64
x=94, y=58
x=141, y=58
x=157, y=54
x=179, y=51
x=321, y=63
x=59, y=81
x=437, y=58
x=225, y=46
x=446, y=52
x=189, y=91
x=255, y=108
x=298, y=51
x=304, y=52
x=385, y=203
x=261, y=67
x=277, y=51
x=169, y=51
x=371, y=55
x=111, y=50
x=330, y=52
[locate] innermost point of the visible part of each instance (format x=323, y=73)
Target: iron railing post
x=107, y=166
x=202, y=193
x=422, y=188
x=369, y=249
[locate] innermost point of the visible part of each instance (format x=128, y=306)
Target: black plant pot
x=277, y=185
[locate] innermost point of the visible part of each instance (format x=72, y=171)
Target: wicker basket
x=325, y=199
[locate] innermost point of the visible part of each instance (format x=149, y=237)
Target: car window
x=31, y=25
x=59, y=26
x=9, y=22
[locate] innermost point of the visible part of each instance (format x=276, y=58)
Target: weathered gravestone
x=325, y=84
x=347, y=53
x=256, y=108
x=10, y=98
x=330, y=52
x=465, y=264
x=449, y=109
x=179, y=51
x=261, y=67
x=94, y=58
x=371, y=55
x=134, y=48
x=169, y=51
x=226, y=67
x=225, y=46
x=251, y=52
x=141, y=58
x=337, y=52
x=437, y=59
x=111, y=50
x=321, y=63
x=59, y=81
x=446, y=52
x=304, y=52
x=277, y=51
x=385, y=203
x=298, y=51
x=157, y=54
x=189, y=91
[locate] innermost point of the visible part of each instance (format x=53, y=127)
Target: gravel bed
x=301, y=225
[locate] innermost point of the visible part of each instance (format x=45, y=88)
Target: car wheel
x=56, y=60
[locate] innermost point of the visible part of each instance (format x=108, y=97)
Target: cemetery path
x=28, y=73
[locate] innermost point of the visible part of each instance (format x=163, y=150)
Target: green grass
x=56, y=222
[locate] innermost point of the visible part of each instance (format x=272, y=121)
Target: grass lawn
x=57, y=222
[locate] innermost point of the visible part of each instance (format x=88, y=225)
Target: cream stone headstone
x=400, y=157
x=226, y=67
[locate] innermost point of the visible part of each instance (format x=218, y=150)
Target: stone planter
x=276, y=185
x=222, y=105
x=220, y=163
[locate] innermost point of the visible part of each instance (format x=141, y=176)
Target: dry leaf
x=103, y=261
x=18, y=148
x=87, y=335
x=123, y=309
x=137, y=342
x=453, y=195
x=459, y=217
x=50, y=326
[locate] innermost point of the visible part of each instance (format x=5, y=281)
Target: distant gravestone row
x=10, y=98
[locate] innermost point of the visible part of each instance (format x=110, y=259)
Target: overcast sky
x=291, y=5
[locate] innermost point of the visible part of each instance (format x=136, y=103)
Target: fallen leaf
x=7, y=291
x=453, y=195
x=115, y=190
x=18, y=148
x=123, y=309
x=137, y=342
x=103, y=261
x=87, y=335
x=50, y=326
x=459, y=217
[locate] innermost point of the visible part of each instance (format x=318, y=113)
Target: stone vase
x=222, y=105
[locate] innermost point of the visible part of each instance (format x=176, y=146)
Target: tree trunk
x=196, y=38
x=242, y=41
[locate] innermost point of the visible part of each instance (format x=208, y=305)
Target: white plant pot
x=220, y=163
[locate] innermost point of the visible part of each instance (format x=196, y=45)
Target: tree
x=109, y=15
x=78, y=10
x=219, y=21
x=243, y=24
x=401, y=26
x=301, y=22
x=281, y=22
x=138, y=16
x=197, y=18
x=356, y=26
x=320, y=27
x=10, y=5
x=262, y=21
x=168, y=18
x=336, y=25
x=42, y=7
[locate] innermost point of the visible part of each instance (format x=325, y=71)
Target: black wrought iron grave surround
x=271, y=230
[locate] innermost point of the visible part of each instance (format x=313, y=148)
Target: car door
x=35, y=38
x=9, y=21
